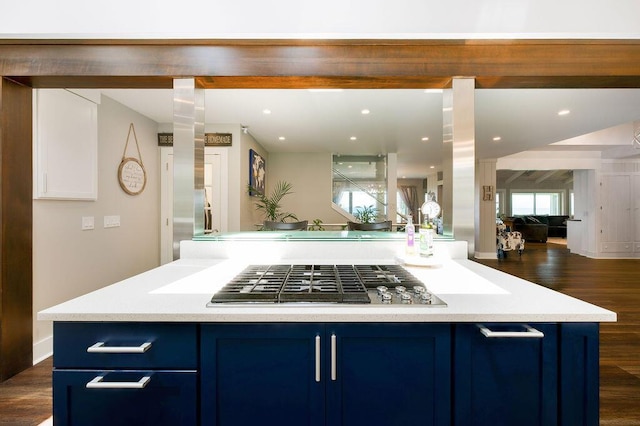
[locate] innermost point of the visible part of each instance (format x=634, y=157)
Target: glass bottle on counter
x=410, y=231
x=426, y=238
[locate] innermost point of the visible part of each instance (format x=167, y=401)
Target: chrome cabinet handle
x=530, y=333
x=317, y=358
x=334, y=372
x=100, y=348
x=97, y=383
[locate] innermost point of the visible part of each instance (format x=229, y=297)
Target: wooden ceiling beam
x=323, y=63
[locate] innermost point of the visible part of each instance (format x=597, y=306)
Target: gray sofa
x=538, y=228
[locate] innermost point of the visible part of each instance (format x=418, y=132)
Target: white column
x=485, y=225
x=459, y=149
x=392, y=185
x=188, y=161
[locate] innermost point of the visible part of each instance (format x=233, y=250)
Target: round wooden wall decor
x=132, y=176
x=131, y=173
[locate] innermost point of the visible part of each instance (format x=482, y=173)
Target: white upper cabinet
x=65, y=154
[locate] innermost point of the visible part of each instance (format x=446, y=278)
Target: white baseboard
x=42, y=349
x=485, y=255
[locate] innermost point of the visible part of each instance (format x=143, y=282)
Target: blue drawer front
x=169, y=398
x=173, y=346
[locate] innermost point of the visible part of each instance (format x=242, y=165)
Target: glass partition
x=360, y=183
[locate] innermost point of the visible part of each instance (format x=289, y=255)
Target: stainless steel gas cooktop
x=355, y=284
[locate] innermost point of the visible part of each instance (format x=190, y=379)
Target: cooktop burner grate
x=312, y=283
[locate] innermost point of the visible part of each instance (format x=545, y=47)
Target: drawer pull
x=100, y=348
x=530, y=333
x=97, y=383
x=334, y=357
x=318, y=359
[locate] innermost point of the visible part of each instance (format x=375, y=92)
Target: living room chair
x=507, y=240
x=377, y=226
x=285, y=226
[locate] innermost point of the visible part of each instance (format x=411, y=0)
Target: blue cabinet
x=579, y=374
x=520, y=374
x=317, y=374
x=256, y=374
x=131, y=397
x=125, y=373
x=389, y=374
x=338, y=374
x=505, y=374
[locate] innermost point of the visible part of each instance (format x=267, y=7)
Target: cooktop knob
x=419, y=289
x=400, y=289
x=406, y=298
x=425, y=298
x=382, y=289
x=387, y=298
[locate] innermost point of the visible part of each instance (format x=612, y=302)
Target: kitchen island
x=501, y=351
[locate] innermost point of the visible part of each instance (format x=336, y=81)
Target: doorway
x=216, y=196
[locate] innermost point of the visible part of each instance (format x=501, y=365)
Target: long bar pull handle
x=530, y=333
x=317, y=358
x=334, y=349
x=100, y=348
x=97, y=383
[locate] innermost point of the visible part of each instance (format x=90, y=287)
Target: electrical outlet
x=111, y=221
x=87, y=223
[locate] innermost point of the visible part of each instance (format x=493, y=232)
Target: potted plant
x=366, y=214
x=317, y=225
x=270, y=205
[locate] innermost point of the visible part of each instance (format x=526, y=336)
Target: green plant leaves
x=270, y=205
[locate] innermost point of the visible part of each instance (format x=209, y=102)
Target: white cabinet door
x=616, y=223
x=65, y=158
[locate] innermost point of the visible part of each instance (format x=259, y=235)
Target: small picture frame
x=487, y=193
x=257, y=172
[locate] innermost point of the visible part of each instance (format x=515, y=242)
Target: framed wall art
x=257, y=172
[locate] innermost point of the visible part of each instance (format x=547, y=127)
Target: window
x=500, y=197
x=547, y=203
x=402, y=208
x=571, y=203
x=360, y=181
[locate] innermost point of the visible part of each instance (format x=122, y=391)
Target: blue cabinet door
x=253, y=374
x=579, y=374
x=507, y=375
x=146, y=397
x=389, y=374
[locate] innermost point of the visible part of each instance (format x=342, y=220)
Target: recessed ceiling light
x=353, y=138
x=497, y=138
x=266, y=111
x=447, y=109
x=432, y=167
x=349, y=166
x=365, y=111
x=282, y=138
x=425, y=139
x=564, y=112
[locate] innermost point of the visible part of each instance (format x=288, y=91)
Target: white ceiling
x=525, y=119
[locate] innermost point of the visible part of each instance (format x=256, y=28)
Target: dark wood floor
x=25, y=399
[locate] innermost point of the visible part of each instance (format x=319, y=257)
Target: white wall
x=69, y=262
x=326, y=19
x=311, y=177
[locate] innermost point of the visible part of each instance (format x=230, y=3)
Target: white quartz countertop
x=180, y=291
